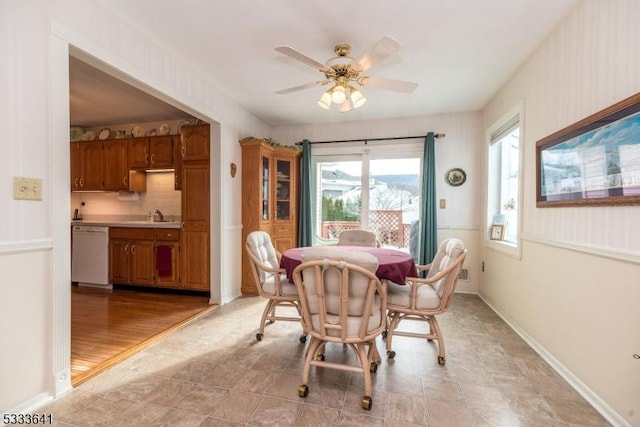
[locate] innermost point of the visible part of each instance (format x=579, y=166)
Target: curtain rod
x=366, y=140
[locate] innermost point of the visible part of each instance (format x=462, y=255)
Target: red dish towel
x=163, y=261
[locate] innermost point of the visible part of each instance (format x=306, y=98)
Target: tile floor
x=213, y=372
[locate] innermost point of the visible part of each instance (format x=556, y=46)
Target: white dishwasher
x=90, y=256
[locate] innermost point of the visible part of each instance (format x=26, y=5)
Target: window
x=375, y=190
x=504, y=183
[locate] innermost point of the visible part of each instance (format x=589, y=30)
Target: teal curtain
x=428, y=243
x=305, y=217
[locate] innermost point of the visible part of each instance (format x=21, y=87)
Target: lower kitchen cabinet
x=145, y=257
x=168, y=258
x=131, y=256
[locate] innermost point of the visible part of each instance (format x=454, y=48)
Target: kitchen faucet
x=160, y=216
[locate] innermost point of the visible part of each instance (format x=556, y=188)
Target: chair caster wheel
x=373, y=367
x=259, y=337
x=271, y=321
x=441, y=360
x=391, y=354
x=303, y=391
x=429, y=340
x=384, y=334
x=367, y=402
x=303, y=339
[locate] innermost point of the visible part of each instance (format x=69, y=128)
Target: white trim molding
x=581, y=388
x=25, y=246
x=616, y=254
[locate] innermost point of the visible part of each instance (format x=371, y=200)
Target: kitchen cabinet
x=195, y=142
x=116, y=170
x=103, y=166
x=132, y=256
x=177, y=162
x=154, y=152
x=168, y=276
x=86, y=166
x=269, y=194
x=195, y=185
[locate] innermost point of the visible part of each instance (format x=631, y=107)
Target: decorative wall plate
x=164, y=129
x=456, y=177
x=105, y=134
x=89, y=135
x=75, y=133
x=136, y=131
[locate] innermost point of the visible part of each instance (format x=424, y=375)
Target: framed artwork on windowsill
x=497, y=232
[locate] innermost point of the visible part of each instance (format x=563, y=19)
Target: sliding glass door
x=374, y=192
x=394, y=198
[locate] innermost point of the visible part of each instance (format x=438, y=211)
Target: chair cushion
x=259, y=243
x=357, y=238
x=357, y=290
x=363, y=259
x=398, y=296
x=287, y=288
x=353, y=322
x=448, y=251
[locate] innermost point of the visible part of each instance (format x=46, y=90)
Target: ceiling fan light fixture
x=346, y=106
x=338, y=94
x=357, y=98
x=325, y=100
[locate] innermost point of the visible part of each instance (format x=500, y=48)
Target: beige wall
x=36, y=37
x=575, y=293
x=591, y=62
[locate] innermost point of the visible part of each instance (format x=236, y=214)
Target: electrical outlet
x=27, y=188
x=443, y=203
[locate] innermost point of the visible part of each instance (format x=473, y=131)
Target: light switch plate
x=443, y=203
x=27, y=188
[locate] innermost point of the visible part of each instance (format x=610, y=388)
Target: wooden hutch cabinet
x=269, y=198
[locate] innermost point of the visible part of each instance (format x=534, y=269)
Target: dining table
x=393, y=264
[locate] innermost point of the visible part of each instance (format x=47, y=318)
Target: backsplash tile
x=160, y=195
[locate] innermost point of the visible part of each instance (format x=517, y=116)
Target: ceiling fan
x=343, y=71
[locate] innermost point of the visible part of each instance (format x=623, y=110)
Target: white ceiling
x=460, y=52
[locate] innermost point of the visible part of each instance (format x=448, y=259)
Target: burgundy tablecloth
x=393, y=265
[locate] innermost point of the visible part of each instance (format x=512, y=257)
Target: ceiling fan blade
x=389, y=84
x=291, y=52
x=384, y=48
x=302, y=87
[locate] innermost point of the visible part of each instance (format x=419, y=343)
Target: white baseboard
x=589, y=395
x=30, y=406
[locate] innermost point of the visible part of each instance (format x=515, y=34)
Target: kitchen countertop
x=137, y=224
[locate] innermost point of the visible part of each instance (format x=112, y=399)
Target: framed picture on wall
x=595, y=161
x=497, y=232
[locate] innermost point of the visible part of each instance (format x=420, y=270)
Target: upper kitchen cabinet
x=194, y=144
x=154, y=152
x=103, y=166
x=117, y=173
x=86, y=166
x=177, y=162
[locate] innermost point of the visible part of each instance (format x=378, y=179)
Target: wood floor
x=107, y=326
